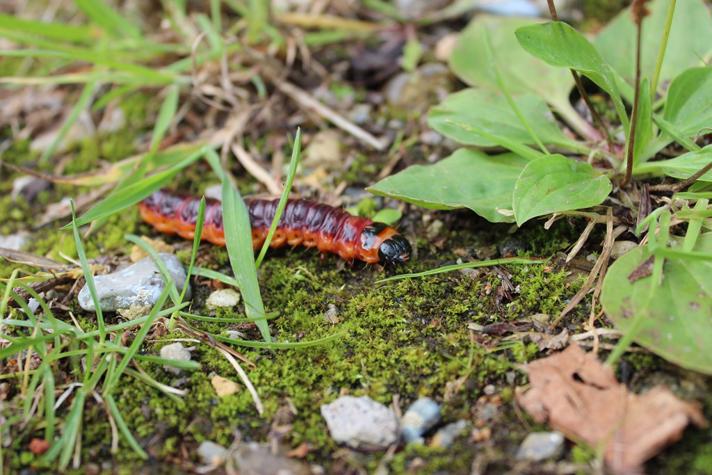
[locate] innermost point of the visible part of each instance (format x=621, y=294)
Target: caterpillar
x=303, y=222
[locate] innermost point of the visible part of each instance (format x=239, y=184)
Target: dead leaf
x=580, y=397
x=21, y=257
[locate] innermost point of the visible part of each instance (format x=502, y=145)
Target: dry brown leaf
x=580, y=397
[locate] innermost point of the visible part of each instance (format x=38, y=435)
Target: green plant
x=518, y=70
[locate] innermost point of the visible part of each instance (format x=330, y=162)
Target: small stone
x=212, y=454
x=430, y=137
x=332, y=314
x=446, y=436
x=223, y=386
x=622, y=247
x=540, y=446
x=139, y=284
x=225, y=298
x=361, y=422
x=481, y=435
x=15, y=242
x=489, y=390
x=445, y=46
x=175, y=351
x=420, y=416
x=258, y=459
x=360, y=114
x=38, y=446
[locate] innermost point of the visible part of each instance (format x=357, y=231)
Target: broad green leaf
x=675, y=319
x=690, y=40
x=465, y=179
x=555, y=183
x=521, y=72
x=682, y=167
x=490, y=111
x=689, y=101
x=558, y=44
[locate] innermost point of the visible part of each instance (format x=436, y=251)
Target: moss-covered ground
x=396, y=341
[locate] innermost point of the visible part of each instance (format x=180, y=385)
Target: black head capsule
x=394, y=250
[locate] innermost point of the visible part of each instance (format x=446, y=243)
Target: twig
x=600, y=264
x=675, y=187
x=245, y=379
x=582, y=91
x=581, y=241
x=307, y=101
x=255, y=169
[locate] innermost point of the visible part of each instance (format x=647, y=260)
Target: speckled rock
x=420, y=416
x=540, y=446
x=361, y=423
x=137, y=285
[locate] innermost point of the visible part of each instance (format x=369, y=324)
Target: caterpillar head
x=391, y=247
x=394, y=250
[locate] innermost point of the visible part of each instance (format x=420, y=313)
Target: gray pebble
x=420, y=416
x=175, y=351
x=446, y=436
x=138, y=285
x=212, y=454
x=361, y=422
x=540, y=446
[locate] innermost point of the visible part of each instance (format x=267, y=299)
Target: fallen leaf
x=580, y=397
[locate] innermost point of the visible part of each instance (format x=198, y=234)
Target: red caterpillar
x=303, y=222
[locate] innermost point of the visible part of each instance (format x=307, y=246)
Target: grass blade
x=135, y=192
x=165, y=117
x=123, y=428
x=88, y=276
x=137, y=342
x=54, y=31
x=465, y=265
x=293, y=165
x=82, y=104
x=238, y=240
x=108, y=19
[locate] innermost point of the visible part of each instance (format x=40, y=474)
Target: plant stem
x=582, y=92
x=634, y=115
x=663, y=48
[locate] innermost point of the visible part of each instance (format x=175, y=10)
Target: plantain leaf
x=555, y=183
